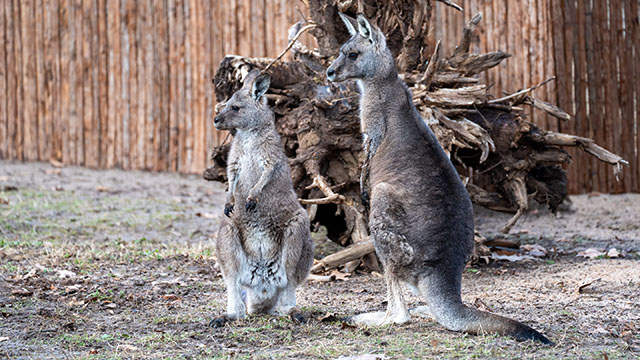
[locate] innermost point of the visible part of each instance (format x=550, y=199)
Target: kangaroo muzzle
x=334, y=71
x=330, y=74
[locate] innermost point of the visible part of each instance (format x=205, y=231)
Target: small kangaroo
x=421, y=217
x=264, y=246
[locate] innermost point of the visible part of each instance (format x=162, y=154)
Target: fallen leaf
x=627, y=331
x=76, y=302
x=56, y=163
x=591, y=253
x=613, y=253
x=66, y=274
x=338, y=275
x=21, y=292
x=71, y=326
x=206, y=215
x=434, y=342
x=93, y=351
x=3, y=338
x=46, y=312
x=346, y=325
x=327, y=317
x=583, y=286
x=363, y=357
x=504, y=252
x=481, y=305
x=127, y=347
x=8, y=188
x=534, y=250
x=4, y=201
x=167, y=282
x=53, y=172
x=171, y=297
x=321, y=278
x=101, y=188
x=511, y=258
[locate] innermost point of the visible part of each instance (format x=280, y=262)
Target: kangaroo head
x=247, y=108
x=364, y=56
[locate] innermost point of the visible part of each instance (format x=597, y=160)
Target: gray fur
x=421, y=217
x=264, y=246
x=347, y=24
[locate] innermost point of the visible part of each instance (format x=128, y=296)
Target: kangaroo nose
x=216, y=120
x=330, y=72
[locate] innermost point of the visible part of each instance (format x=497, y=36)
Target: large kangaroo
x=421, y=217
x=264, y=247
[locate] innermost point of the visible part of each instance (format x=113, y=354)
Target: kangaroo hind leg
x=231, y=260
x=395, y=252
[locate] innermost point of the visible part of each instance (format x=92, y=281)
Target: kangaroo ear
x=365, y=29
x=347, y=22
x=260, y=85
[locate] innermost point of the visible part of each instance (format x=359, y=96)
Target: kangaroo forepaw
x=251, y=204
x=219, y=321
x=364, y=196
x=297, y=317
x=228, y=209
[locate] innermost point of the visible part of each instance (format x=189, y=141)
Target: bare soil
x=115, y=264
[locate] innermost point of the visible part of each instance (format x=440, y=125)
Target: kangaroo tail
x=446, y=306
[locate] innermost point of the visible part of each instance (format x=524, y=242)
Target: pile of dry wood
x=504, y=160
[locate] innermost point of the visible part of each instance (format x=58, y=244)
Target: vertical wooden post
x=162, y=20
x=86, y=61
x=631, y=72
x=186, y=131
x=114, y=149
x=143, y=32
x=78, y=85
x=29, y=96
x=66, y=47
x=634, y=30
x=4, y=151
x=43, y=142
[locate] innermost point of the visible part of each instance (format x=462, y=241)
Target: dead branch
x=504, y=160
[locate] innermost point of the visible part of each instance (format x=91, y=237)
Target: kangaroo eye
x=235, y=108
x=353, y=56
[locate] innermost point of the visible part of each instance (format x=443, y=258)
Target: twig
x=432, y=67
x=520, y=92
x=330, y=196
x=293, y=41
x=334, y=199
x=452, y=4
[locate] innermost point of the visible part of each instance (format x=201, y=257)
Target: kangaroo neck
x=378, y=87
x=381, y=99
x=258, y=131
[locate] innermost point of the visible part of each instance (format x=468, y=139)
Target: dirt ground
x=114, y=264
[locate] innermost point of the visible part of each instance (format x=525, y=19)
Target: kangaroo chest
x=250, y=166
